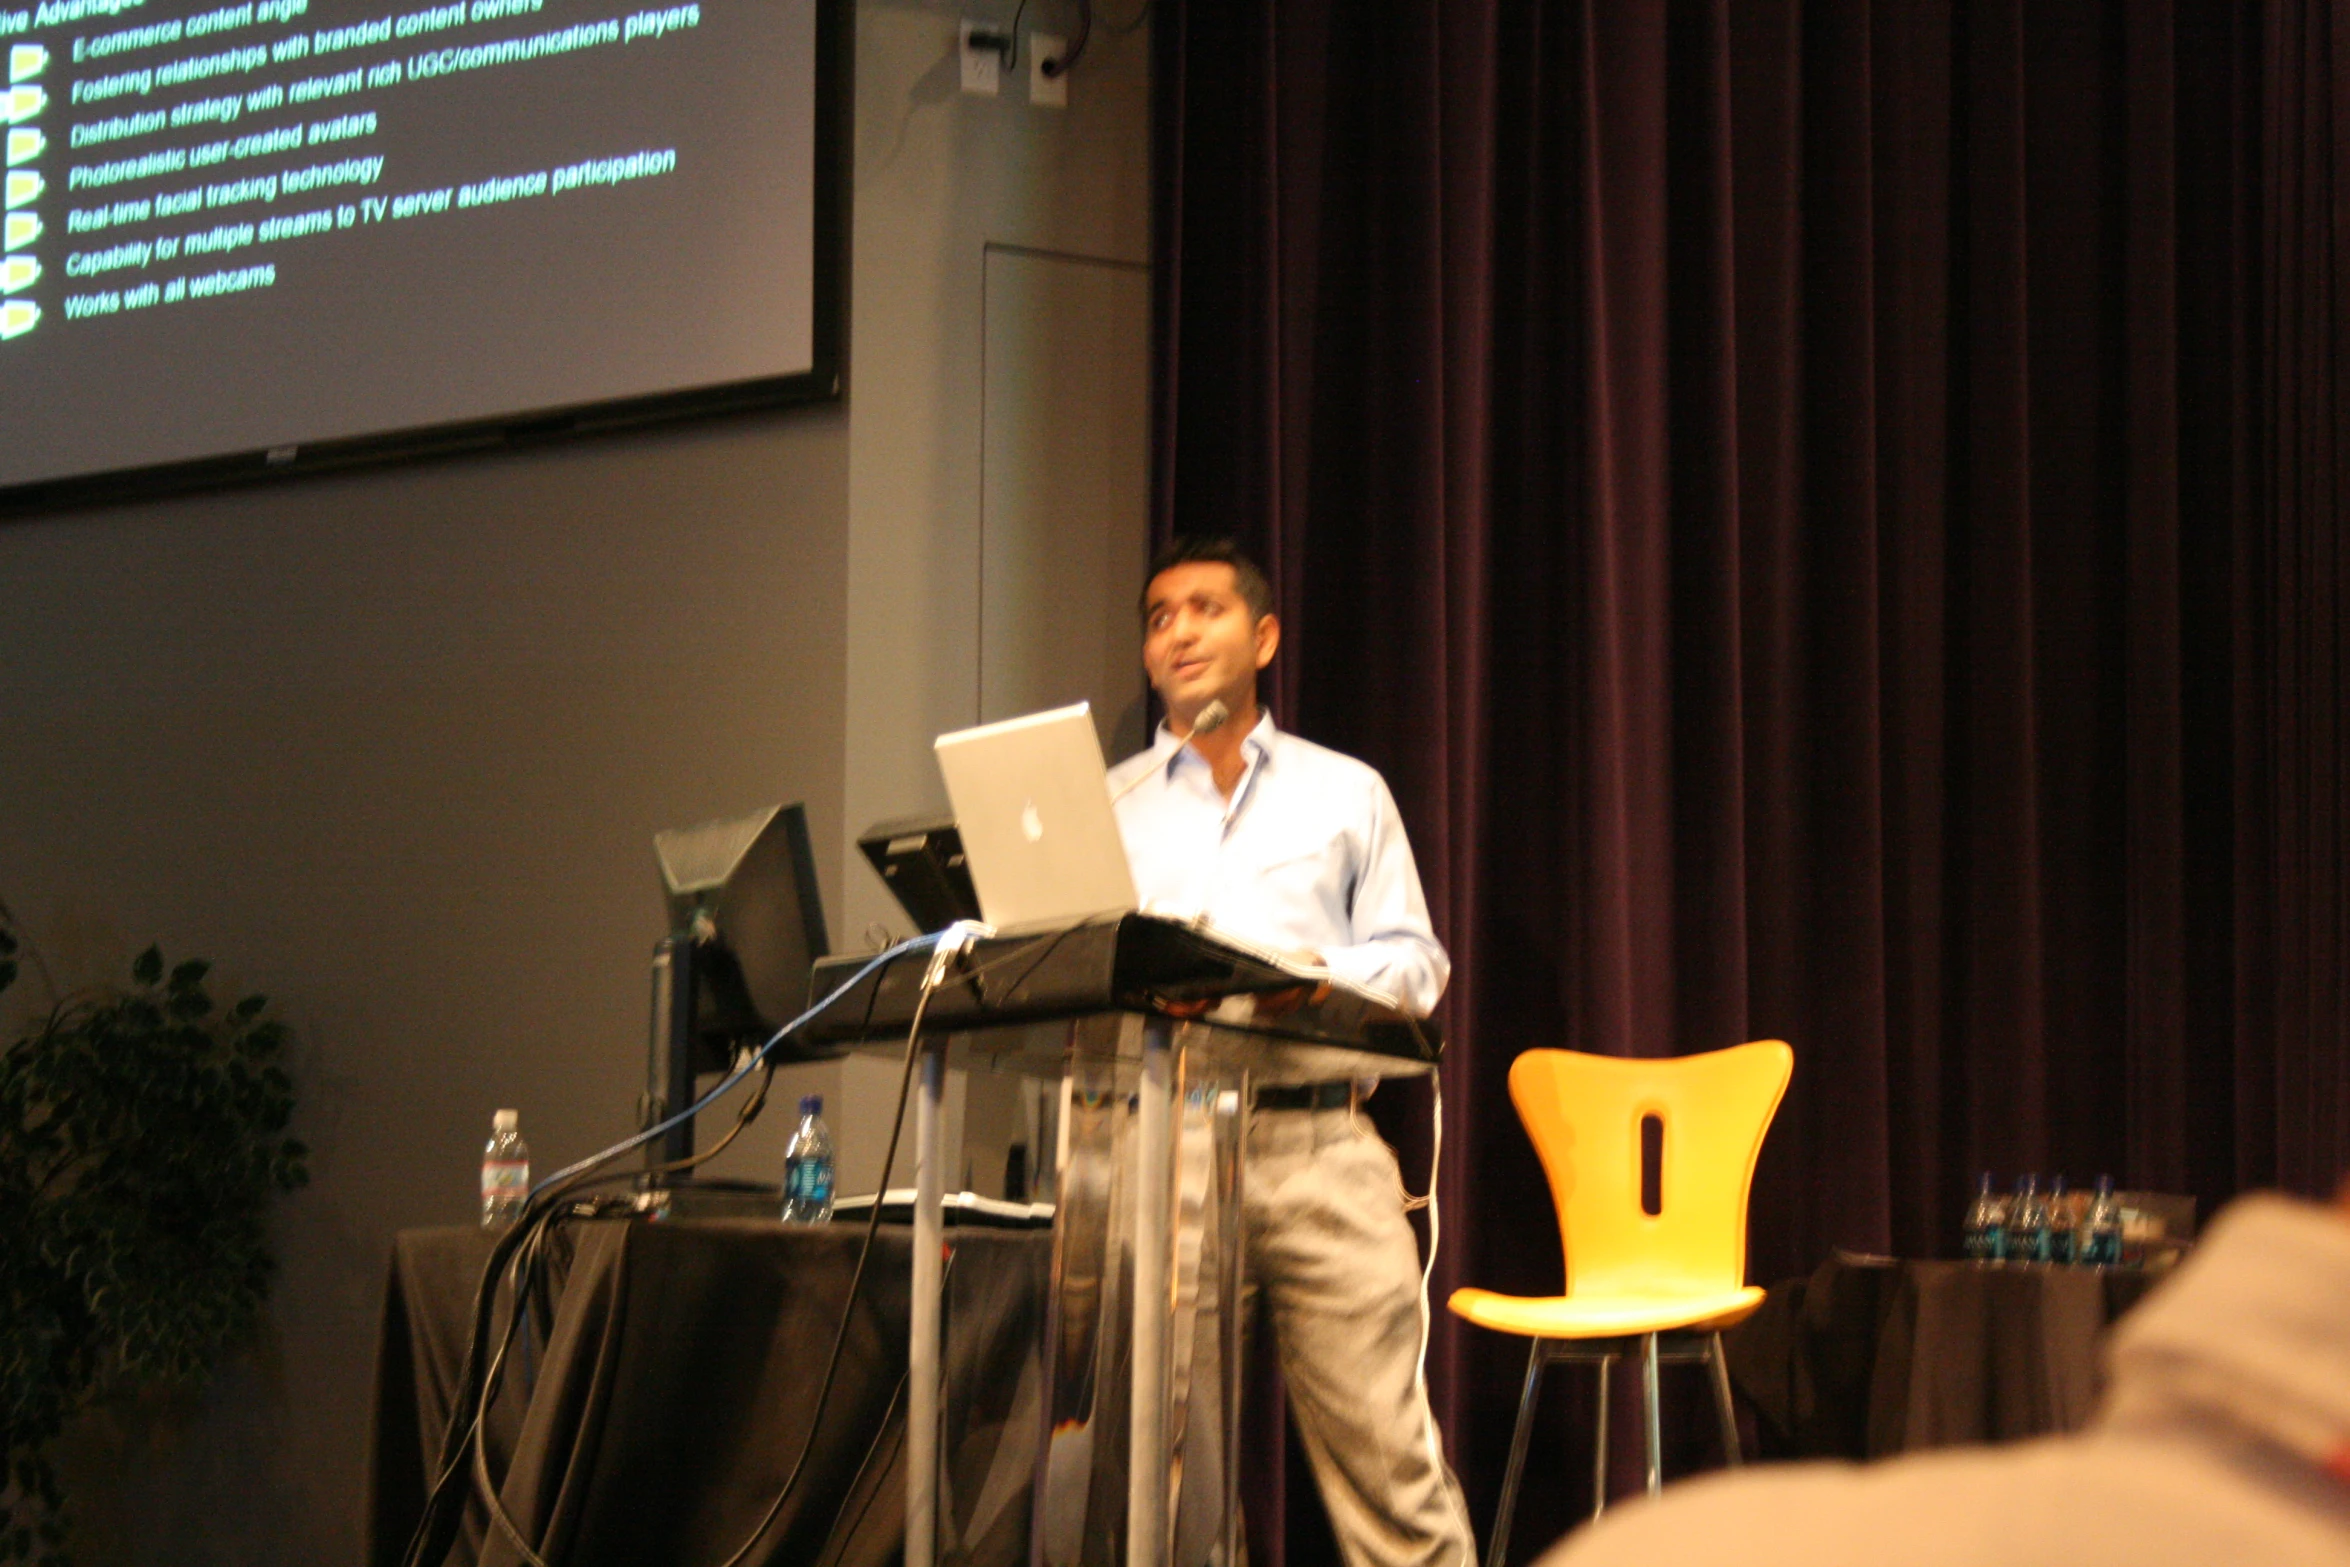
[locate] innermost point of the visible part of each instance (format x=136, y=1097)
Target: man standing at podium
x=1287, y=845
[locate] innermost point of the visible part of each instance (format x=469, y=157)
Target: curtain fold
x=1827, y=514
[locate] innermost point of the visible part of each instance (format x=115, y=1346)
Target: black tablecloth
x=1867, y=1358
x=665, y=1389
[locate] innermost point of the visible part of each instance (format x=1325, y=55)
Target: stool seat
x=1606, y=1316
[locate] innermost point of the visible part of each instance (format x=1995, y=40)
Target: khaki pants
x=1334, y=1263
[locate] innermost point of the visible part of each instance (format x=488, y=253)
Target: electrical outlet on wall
x=1049, y=91
x=983, y=66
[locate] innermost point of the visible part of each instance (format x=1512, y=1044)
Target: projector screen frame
x=825, y=381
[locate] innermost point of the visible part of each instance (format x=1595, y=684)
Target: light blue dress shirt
x=1308, y=855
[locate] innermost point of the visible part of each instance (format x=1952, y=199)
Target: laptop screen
x=1032, y=800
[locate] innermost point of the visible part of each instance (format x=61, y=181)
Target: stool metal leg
x=1499, y=1546
x=1599, y=1444
x=1722, y=1405
x=1649, y=1401
x=1651, y=1357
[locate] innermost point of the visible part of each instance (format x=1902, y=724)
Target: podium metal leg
x=1146, y=1474
x=926, y=1309
x=1142, y=1333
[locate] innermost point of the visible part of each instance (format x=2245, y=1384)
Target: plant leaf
x=141, y=1146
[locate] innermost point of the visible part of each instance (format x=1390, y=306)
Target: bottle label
x=505, y=1178
x=808, y=1181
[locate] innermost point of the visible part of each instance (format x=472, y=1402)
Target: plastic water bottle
x=2101, y=1237
x=807, y=1166
x=2061, y=1230
x=2027, y=1223
x=505, y=1171
x=1986, y=1223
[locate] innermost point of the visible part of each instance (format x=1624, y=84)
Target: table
x=668, y=1382
x=1871, y=1356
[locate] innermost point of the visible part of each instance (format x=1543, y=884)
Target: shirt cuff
x=1368, y=968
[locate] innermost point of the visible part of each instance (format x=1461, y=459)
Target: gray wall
x=945, y=185
x=391, y=746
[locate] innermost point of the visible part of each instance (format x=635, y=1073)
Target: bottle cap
x=811, y=1104
x=505, y=1120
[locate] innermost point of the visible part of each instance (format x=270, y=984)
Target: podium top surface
x=1135, y=964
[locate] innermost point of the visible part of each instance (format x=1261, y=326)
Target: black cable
x=435, y=1526
x=526, y=1267
x=871, y=1448
x=436, y=1529
x=1012, y=52
x=1068, y=60
x=1050, y=947
x=530, y=1281
x=848, y=1310
x=880, y=1432
x=932, y=983
x=523, y=1244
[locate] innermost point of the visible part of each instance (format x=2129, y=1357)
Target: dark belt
x=1305, y=1096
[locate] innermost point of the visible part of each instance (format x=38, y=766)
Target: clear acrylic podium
x=1160, y=1032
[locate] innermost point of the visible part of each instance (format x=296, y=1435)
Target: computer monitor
x=746, y=925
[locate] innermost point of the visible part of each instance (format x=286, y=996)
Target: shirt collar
x=1166, y=750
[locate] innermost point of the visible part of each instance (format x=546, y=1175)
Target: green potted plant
x=142, y=1140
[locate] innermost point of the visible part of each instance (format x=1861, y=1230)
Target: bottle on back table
x=2101, y=1230
x=505, y=1171
x=2062, y=1229
x=1986, y=1223
x=2027, y=1222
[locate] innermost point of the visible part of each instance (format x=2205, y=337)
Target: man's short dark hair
x=1247, y=575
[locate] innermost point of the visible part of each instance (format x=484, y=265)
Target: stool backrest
x=1585, y=1115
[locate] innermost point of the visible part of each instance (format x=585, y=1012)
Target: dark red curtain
x=1828, y=516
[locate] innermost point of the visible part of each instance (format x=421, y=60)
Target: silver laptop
x=1032, y=802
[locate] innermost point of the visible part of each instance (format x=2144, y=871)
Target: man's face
x=1199, y=640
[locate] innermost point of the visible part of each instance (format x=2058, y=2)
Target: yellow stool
x=1671, y=1277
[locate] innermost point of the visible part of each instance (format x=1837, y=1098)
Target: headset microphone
x=1207, y=721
